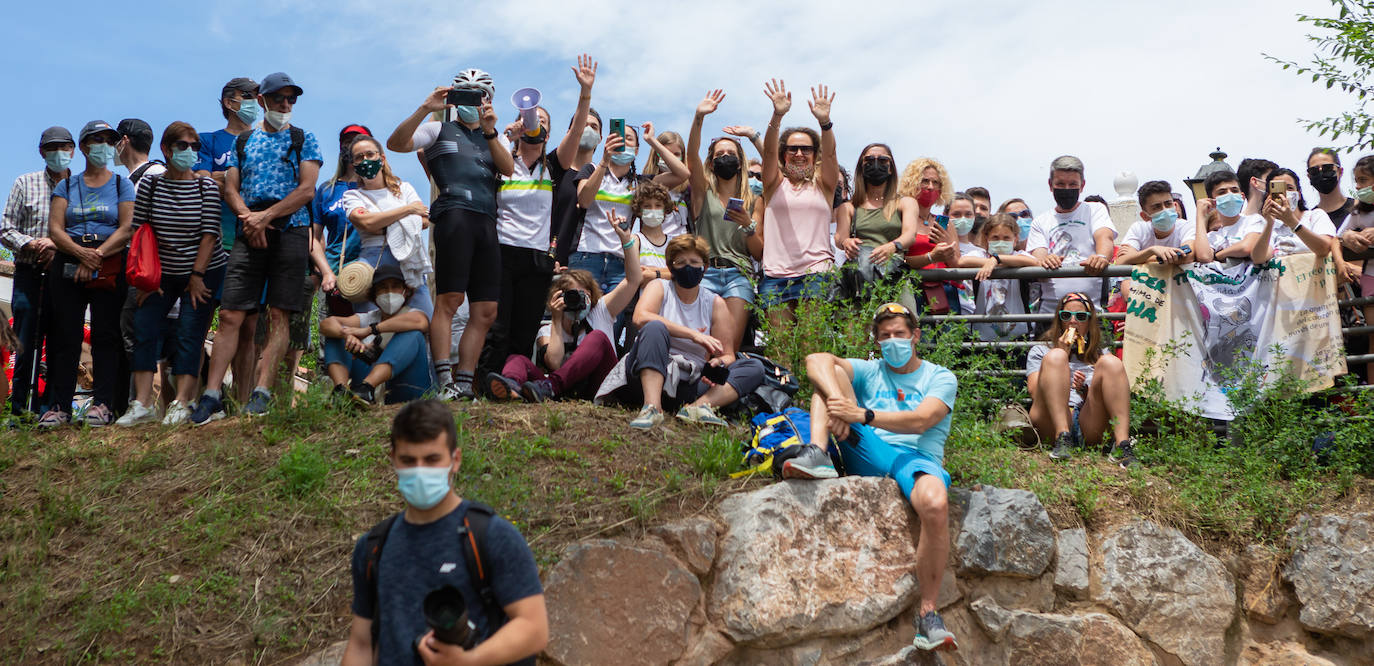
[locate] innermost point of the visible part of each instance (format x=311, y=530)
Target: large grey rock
x=1033, y=595
x=1005, y=532
x=1169, y=591
x=1060, y=640
x=1280, y=654
x=803, y=560
x=1332, y=571
x=1071, y=563
x=604, y=596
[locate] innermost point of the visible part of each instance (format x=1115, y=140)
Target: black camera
x=446, y=613
x=369, y=354
x=574, y=300
x=716, y=374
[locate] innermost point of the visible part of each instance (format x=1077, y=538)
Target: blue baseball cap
x=96, y=127
x=276, y=81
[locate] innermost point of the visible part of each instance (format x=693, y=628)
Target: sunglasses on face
x=1078, y=315
x=278, y=98
x=877, y=159
x=1025, y=214
x=1321, y=169
x=804, y=150
x=183, y=145
x=369, y=155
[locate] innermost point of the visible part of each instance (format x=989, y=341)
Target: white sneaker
x=136, y=414
x=177, y=414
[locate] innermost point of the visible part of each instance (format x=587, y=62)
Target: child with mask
x=892, y=416
x=996, y=248
x=651, y=203
x=1158, y=237
x=1357, y=235
x=575, y=361
x=383, y=346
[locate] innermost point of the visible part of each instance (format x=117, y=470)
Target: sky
x=994, y=90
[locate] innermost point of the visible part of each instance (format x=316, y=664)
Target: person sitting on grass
x=892, y=417
x=685, y=347
x=1075, y=388
x=383, y=346
x=578, y=359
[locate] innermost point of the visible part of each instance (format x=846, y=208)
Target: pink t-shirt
x=796, y=232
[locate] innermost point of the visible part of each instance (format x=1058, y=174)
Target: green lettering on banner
x=1142, y=309
x=1141, y=277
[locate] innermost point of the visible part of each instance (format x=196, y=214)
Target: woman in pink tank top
x=797, y=196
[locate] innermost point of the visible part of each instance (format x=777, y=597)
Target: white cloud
x=995, y=90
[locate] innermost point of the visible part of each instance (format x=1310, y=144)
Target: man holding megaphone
x=465, y=155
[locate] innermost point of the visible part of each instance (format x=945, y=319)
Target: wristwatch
x=898, y=244
x=749, y=230
x=997, y=258
x=375, y=331
x=868, y=416
x=491, y=136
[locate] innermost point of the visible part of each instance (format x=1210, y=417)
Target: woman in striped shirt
x=184, y=211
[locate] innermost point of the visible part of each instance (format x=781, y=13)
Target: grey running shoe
x=1063, y=447
x=811, y=463
x=537, y=390
x=1123, y=453
x=648, y=417
x=931, y=634
x=258, y=403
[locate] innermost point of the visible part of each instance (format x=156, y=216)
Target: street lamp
x=1196, y=183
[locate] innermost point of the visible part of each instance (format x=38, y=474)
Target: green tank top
x=871, y=227
x=725, y=237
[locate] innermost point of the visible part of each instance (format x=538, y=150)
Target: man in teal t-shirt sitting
x=892, y=416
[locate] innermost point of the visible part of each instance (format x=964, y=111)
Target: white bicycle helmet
x=475, y=79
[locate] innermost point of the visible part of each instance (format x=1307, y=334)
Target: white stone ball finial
x=1125, y=184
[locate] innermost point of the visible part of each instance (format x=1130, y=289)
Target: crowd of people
x=544, y=270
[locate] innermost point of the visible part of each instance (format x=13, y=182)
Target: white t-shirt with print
x=1141, y=236
x=651, y=255
x=1283, y=241
x=1069, y=235
x=1230, y=234
x=377, y=201
x=999, y=297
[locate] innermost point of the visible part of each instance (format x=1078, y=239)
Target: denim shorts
x=777, y=291
x=729, y=283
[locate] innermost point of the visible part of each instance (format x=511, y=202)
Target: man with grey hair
x=1074, y=233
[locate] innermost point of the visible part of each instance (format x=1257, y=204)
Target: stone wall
x=824, y=573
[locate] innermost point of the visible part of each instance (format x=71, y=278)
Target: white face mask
x=1293, y=200
x=1001, y=247
x=391, y=302
x=651, y=218
x=277, y=119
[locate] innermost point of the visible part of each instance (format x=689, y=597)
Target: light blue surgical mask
x=1164, y=220
x=1001, y=247
x=621, y=159
x=756, y=186
x=183, y=160
x=249, y=111
x=423, y=487
x=896, y=351
x=1230, y=205
x=1024, y=224
x=100, y=154
x=1365, y=195
x=963, y=225
x=467, y=114
x=57, y=160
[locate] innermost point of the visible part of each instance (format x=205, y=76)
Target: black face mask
x=876, y=173
x=725, y=166
x=1066, y=197
x=688, y=276
x=1324, y=182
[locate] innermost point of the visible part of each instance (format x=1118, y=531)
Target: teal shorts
x=870, y=455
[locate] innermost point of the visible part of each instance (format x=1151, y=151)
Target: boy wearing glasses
x=269, y=185
x=892, y=416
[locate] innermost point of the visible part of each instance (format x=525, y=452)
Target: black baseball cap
x=97, y=127
x=55, y=134
x=387, y=271
x=239, y=84
x=276, y=81
x=133, y=127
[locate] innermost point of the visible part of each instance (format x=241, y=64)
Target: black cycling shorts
x=467, y=255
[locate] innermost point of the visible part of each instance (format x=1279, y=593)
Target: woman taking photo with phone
x=1285, y=225
x=1075, y=388
x=91, y=222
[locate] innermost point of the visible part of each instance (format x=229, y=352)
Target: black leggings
x=524, y=285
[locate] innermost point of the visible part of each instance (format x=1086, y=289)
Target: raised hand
x=821, y=97
x=710, y=103
x=585, y=71
x=437, y=100
x=488, y=119
x=623, y=232
x=613, y=143
x=647, y=131
x=776, y=91
x=742, y=131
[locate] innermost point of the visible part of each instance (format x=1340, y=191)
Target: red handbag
x=143, y=270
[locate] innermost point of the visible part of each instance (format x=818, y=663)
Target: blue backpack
x=772, y=434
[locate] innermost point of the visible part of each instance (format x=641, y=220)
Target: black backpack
x=137, y=174
x=473, y=534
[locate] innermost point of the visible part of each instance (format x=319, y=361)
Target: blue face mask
x=1164, y=220
x=467, y=114
x=621, y=159
x=963, y=225
x=100, y=154
x=1024, y=223
x=183, y=159
x=423, y=487
x=57, y=160
x=756, y=186
x=249, y=111
x=896, y=351
x=1231, y=204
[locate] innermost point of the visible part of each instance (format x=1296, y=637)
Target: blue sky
x=995, y=90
